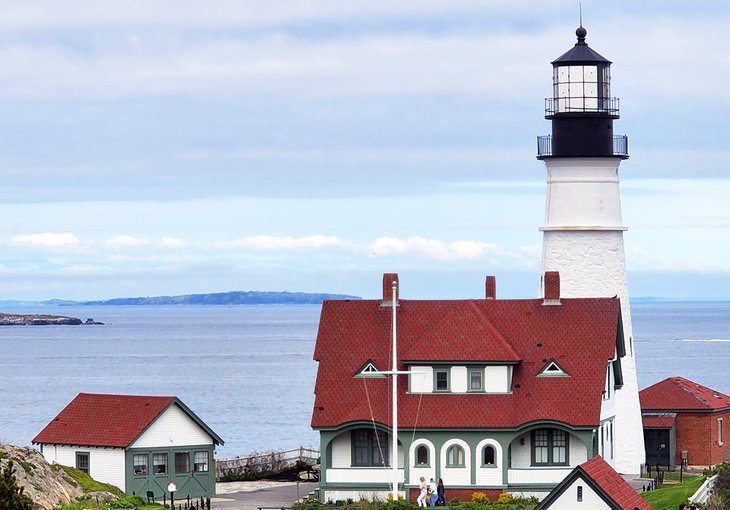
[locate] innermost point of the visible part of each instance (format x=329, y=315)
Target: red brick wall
x=697, y=433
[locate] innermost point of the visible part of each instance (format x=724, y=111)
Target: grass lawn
x=671, y=495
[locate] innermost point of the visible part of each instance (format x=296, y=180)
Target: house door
x=656, y=442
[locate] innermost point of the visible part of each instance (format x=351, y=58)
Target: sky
x=178, y=147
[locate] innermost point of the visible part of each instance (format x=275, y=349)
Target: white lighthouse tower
x=583, y=230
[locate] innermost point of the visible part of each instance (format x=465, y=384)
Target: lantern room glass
x=581, y=88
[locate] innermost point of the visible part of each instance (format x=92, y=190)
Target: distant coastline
x=218, y=298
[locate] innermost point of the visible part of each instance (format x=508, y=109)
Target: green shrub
x=127, y=502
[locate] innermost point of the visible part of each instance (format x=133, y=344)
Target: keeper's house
x=685, y=421
x=501, y=396
x=137, y=443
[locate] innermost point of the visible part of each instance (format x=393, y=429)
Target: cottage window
x=200, y=462
x=719, y=431
x=579, y=496
x=442, y=380
x=489, y=456
x=549, y=447
x=140, y=464
x=82, y=461
x=159, y=463
x=369, y=448
x=422, y=455
x=182, y=462
x=476, y=380
x=455, y=456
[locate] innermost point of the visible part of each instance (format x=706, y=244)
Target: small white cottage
x=594, y=485
x=138, y=443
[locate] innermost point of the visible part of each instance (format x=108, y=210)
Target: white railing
x=704, y=491
x=271, y=461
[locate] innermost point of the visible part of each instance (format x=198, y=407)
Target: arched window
x=422, y=455
x=455, y=456
x=489, y=456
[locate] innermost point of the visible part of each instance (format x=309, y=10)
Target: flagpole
x=394, y=455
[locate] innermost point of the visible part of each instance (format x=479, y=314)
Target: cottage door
x=657, y=447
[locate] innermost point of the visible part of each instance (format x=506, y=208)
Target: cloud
x=270, y=243
x=172, y=242
x=45, y=240
x=433, y=249
x=126, y=241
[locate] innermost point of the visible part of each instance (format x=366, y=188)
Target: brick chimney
x=388, y=280
x=552, y=288
x=491, y=287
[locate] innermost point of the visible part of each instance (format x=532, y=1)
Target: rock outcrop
x=48, y=486
x=11, y=319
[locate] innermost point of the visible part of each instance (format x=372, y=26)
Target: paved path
x=252, y=495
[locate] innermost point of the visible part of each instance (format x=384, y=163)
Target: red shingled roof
x=680, y=394
x=579, y=334
x=108, y=420
x=662, y=421
x=613, y=485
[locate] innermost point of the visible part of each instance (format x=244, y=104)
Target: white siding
x=568, y=500
x=535, y=475
x=578, y=451
x=362, y=475
x=489, y=475
x=456, y=475
x=521, y=453
x=608, y=404
x=421, y=381
x=342, y=451
x=105, y=464
x=458, y=379
x=496, y=379
x=172, y=428
x=417, y=471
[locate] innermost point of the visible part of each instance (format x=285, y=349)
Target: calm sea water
x=248, y=372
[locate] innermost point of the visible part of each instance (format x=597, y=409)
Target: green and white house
x=496, y=396
x=140, y=444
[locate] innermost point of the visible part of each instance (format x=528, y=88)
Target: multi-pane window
x=369, y=448
x=82, y=462
x=442, y=380
x=200, y=462
x=476, y=380
x=422, y=455
x=489, y=456
x=182, y=462
x=159, y=463
x=550, y=447
x=455, y=456
x=140, y=464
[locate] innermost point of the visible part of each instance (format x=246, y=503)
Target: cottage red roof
x=680, y=394
x=613, y=485
x=658, y=421
x=108, y=420
x=579, y=334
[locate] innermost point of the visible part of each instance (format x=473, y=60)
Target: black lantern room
x=582, y=109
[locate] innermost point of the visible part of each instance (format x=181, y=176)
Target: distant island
x=218, y=298
x=11, y=319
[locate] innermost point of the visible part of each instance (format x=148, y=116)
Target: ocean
x=248, y=372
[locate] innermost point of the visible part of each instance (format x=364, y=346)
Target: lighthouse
x=583, y=229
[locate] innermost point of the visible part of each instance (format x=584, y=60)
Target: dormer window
x=552, y=369
x=441, y=379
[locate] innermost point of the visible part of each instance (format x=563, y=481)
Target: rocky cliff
x=48, y=486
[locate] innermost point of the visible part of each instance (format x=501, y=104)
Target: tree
x=11, y=495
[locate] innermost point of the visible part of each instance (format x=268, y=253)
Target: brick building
x=683, y=419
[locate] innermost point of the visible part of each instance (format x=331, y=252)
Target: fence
x=249, y=465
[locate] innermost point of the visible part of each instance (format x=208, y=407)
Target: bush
x=480, y=497
x=11, y=495
x=505, y=497
x=127, y=502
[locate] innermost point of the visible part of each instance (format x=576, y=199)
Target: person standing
x=424, y=492
x=441, y=492
x=432, y=497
